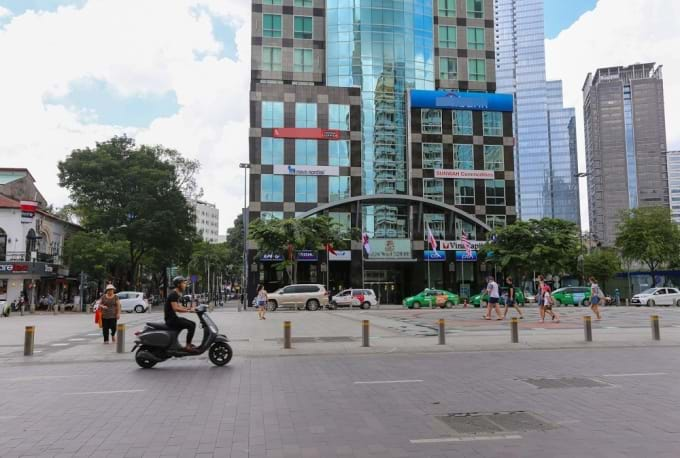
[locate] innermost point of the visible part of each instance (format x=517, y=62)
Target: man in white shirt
x=494, y=298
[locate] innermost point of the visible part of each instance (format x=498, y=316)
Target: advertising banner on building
x=467, y=174
x=309, y=133
x=271, y=257
x=438, y=256
x=309, y=170
x=459, y=100
x=28, y=209
x=340, y=255
x=390, y=249
x=453, y=245
x=306, y=255
x=461, y=256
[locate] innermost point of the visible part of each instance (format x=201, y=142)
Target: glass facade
x=673, y=164
x=631, y=166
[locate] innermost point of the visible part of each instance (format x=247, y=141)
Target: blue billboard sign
x=306, y=255
x=431, y=255
x=456, y=100
x=271, y=257
x=463, y=257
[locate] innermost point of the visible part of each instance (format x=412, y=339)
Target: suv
x=132, y=301
x=364, y=298
x=310, y=297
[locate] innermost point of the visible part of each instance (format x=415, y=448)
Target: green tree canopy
x=96, y=253
x=601, y=263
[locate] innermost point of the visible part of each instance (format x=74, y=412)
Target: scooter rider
x=173, y=305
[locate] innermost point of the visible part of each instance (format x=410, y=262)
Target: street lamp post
x=244, y=286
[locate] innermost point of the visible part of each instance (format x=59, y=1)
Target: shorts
x=595, y=300
x=261, y=304
x=509, y=302
x=493, y=300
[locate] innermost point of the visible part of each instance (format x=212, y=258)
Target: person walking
x=261, y=301
x=110, y=307
x=548, y=303
x=540, y=292
x=494, y=298
x=596, y=296
x=510, y=299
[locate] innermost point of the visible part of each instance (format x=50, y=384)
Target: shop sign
x=306, y=255
x=390, y=249
x=269, y=257
x=307, y=170
x=460, y=100
x=340, y=255
x=309, y=133
x=13, y=267
x=462, y=256
x=453, y=245
x=431, y=255
x=467, y=174
x=28, y=209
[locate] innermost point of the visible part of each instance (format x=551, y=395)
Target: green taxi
x=479, y=298
x=572, y=295
x=432, y=298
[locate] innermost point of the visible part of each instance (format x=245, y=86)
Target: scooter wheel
x=220, y=353
x=142, y=361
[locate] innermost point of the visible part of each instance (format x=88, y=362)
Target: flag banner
x=431, y=240
x=367, y=246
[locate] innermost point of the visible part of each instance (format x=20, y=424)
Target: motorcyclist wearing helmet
x=173, y=306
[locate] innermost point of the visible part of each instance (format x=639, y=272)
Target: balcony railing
x=22, y=256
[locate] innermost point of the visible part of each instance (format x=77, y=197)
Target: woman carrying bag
x=109, y=305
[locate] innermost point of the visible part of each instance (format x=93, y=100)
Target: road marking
x=39, y=377
x=77, y=339
x=374, y=382
x=641, y=374
x=104, y=392
x=95, y=334
x=464, y=439
x=59, y=345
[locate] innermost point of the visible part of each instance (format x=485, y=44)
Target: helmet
x=177, y=280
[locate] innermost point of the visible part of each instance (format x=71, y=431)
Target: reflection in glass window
x=447, y=36
x=305, y=115
x=433, y=188
x=271, y=188
x=305, y=152
x=448, y=68
x=305, y=189
x=272, y=150
x=462, y=122
x=475, y=38
x=496, y=221
x=432, y=156
x=268, y=216
x=475, y=9
x=272, y=114
x=338, y=188
x=493, y=157
x=495, y=192
x=271, y=59
x=464, y=192
x=431, y=121
x=385, y=221
x=302, y=60
x=271, y=25
x=338, y=116
x=493, y=123
x=469, y=228
x=303, y=27
x=303, y=3
x=447, y=8
x=344, y=219
x=463, y=157
x=271, y=2
x=338, y=153
x=476, y=69
x=436, y=223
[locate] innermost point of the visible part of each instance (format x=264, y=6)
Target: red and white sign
x=309, y=133
x=28, y=209
x=453, y=245
x=467, y=174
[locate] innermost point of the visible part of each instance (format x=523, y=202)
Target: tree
x=602, y=263
x=101, y=256
x=648, y=235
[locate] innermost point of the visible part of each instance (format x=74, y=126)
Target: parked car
x=572, y=295
x=133, y=301
x=432, y=298
x=309, y=296
x=364, y=298
x=657, y=296
x=520, y=299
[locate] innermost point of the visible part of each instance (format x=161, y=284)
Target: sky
x=75, y=72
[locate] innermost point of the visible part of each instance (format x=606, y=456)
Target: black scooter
x=156, y=343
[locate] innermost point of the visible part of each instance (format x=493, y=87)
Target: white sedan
x=657, y=296
x=133, y=301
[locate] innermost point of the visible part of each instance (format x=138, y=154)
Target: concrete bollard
x=626, y=302
x=120, y=338
x=514, y=330
x=286, y=335
x=29, y=340
x=365, y=333
x=656, y=330
x=442, y=332
x=587, y=328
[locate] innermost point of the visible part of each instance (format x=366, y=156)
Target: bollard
x=626, y=302
x=286, y=334
x=514, y=330
x=587, y=328
x=656, y=330
x=120, y=338
x=29, y=340
x=442, y=332
x=364, y=333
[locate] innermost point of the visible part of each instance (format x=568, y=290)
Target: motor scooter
x=157, y=342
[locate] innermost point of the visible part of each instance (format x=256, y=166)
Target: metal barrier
x=514, y=330
x=365, y=333
x=120, y=338
x=442, y=332
x=286, y=335
x=29, y=340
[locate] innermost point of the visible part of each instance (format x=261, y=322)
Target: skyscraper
x=625, y=137
x=545, y=144
x=673, y=164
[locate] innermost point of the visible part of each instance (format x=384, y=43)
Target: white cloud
x=138, y=47
x=4, y=12
x=616, y=34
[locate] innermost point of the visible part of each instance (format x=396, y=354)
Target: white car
x=657, y=296
x=364, y=298
x=133, y=301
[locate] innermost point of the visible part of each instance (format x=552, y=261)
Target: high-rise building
x=625, y=137
x=545, y=135
x=673, y=166
x=382, y=115
x=207, y=220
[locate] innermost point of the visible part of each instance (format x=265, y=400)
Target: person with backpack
x=596, y=296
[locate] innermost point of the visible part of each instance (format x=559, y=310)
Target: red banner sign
x=308, y=133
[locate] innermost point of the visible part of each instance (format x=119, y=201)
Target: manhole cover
x=566, y=382
x=495, y=422
x=337, y=339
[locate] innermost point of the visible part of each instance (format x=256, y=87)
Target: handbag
x=98, y=317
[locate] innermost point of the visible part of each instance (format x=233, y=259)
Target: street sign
x=194, y=278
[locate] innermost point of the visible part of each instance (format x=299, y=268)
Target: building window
x=496, y=221
x=271, y=26
x=448, y=68
x=338, y=116
x=464, y=192
x=433, y=189
x=432, y=156
x=268, y=216
x=463, y=157
x=469, y=228
x=302, y=62
x=271, y=2
x=305, y=152
x=475, y=38
x=272, y=188
x=303, y=3
x=495, y=192
x=344, y=219
x=305, y=189
x=305, y=115
x=338, y=153
x=272, y=114
x=476, y=70
x=272, y=150
x=338, y=188
x=436, y=223
x=431, y=121
x=493, y=124
x=447, y=8
x=303, y=27
x=475, y=9
x=271, y=59
x=493, y=157
x=447, y=36
x=462, y=122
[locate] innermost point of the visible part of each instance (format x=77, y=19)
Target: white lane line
x=465, y=439
x=641, y=374
x=77, y=339
x=95, y=334
x=374, y=382
x=59, y=345
x=28, y=378
x=103, y=392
